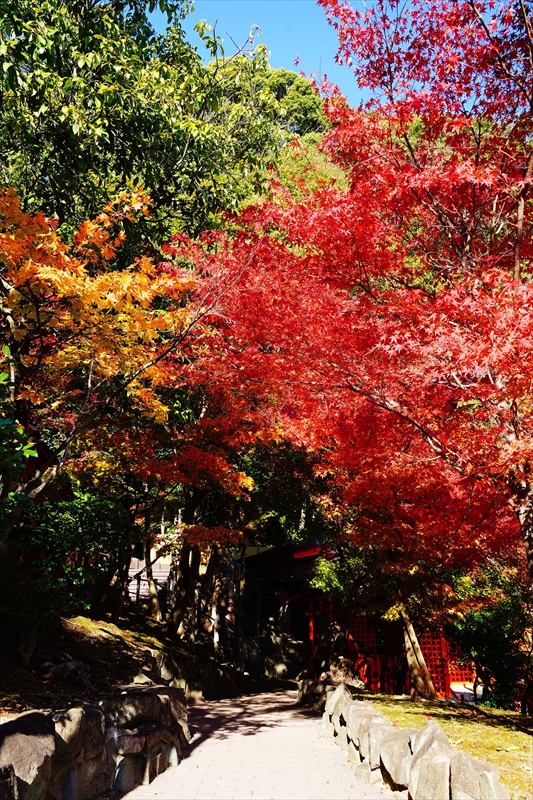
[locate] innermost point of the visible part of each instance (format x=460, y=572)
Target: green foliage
x=280, y=508
x=15, y=445
x=93, y=101
x=59, y=556
x=495, y=632
x=298, y=106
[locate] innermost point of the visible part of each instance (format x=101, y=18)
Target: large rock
x=313, y=693
x=94, y=741
x=130, y=772
x=429, y=778
x=327, y=725
x=338, y=700
x=353, y=753
x=127, y=742
x=362, y=772
x=84, y=780
x=342, y=739
x=27, y=744
x=377, y=730
x=355, y=710
x=70, y=727
x=397, y=755
x=432, y=779
x=490, y=787
x=147, y=704
x=465, y=774
x=358, y=728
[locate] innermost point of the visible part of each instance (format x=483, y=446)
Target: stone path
x=258, y=747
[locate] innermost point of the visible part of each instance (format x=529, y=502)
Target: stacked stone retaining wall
x=415, y=764
x=85, y=751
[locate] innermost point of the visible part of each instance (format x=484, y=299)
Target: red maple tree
x=394, y=319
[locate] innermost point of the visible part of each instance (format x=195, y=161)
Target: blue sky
x=289, y=28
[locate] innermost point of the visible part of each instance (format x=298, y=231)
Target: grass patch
x=504, y=738
x=114, y=654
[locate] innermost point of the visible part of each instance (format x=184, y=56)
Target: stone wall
x=84, y=751
x=415, y=764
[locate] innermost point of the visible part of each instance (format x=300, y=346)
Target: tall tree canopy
x=394, y=318
x=95, y=102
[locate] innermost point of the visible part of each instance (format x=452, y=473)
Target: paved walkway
x=258, y=747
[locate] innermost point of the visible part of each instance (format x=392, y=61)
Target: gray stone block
x=337, y=722
x=129, y=773
x=431, y=764
x=353, y=753
x=339, y=696
x=173, y=756
x=362, y=772
x=376, y=777
x=94, y=740
x=377, y=730
x=465, y=774
x=27, y=744
x=147, y=704
x=85, y=779
x=338, y=703
x=70, y=727
x=129, y=742
x=359, y=725
x=490, y=787
x=432, y=779
x=365, y=723
x=344, y=739
x=396, y=756
x=327, y=725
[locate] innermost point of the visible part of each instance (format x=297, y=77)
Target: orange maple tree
x=92, y=347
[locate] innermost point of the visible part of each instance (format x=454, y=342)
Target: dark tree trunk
x=187, y=573
x=155, y=608
x=122, y=587
x=112, y=598
x=225, y=602
x=207, y=589
x=240, y=581
x=525, y=520
x=526, y=697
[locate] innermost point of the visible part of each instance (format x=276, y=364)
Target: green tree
x=298, y=104
x=94, y=101
x=493, y=628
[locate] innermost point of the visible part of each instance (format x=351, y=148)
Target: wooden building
x=375, y=646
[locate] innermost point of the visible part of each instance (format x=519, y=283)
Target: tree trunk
x=155, y=608
x=524, y=514
x=112, y=597
x=187, y=573
x=418, y=671
x=225, y=602
x=207, y=587
x=526, y=697
x=122, y=587
x=240, y=581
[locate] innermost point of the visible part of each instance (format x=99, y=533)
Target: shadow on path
x=244, y=716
